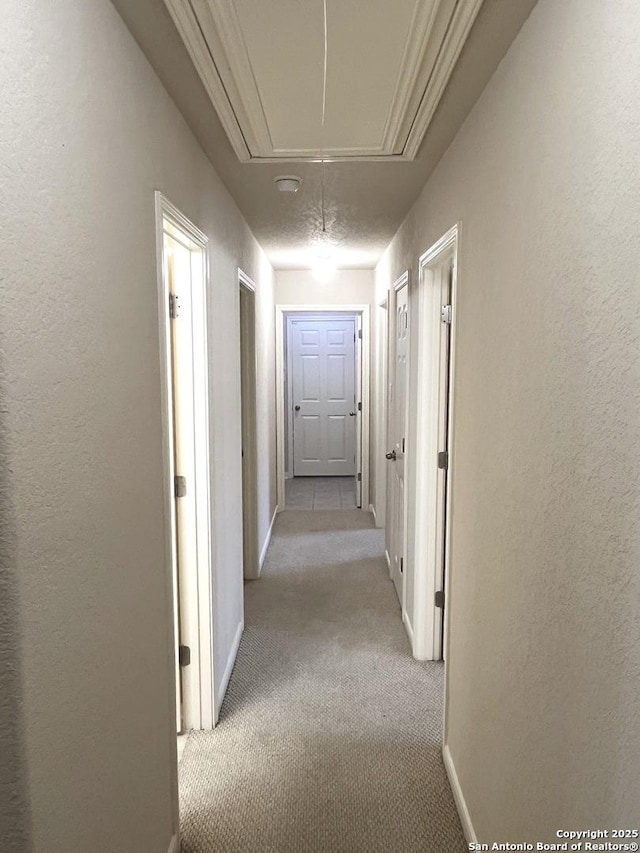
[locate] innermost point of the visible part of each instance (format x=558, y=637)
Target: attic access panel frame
x=212, y=33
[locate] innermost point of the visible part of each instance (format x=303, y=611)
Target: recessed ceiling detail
x=262, y=64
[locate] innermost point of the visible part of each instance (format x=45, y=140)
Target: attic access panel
x=262, y=65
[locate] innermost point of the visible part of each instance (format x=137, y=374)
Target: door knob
x=352, y=414
x=297, y=408
x=391, y=455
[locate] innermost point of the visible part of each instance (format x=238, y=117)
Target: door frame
x=281, y=427
x=249, y=378
x=382, y=410
x=429, y=531
x=199, y=710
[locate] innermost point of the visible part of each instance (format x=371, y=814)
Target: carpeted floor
x=329, y=736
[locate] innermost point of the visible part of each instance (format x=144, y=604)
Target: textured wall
x=87, y=134
x=544, y=660
x=348, y=287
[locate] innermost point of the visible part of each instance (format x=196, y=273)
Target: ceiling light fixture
x=288, y=183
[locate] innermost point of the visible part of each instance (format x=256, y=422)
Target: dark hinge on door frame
x=439, y=598
x=179, y=486
x=443, y=460
x=174, y=305
x=401, y=565
x=184, y=655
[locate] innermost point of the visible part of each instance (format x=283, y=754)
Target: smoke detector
x=288, y=183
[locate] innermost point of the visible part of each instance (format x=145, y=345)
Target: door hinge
x=359, y=407
x=440, y=598
x=359, y=477
x=174, y=306
x=401, y=565
x=184, y=655
x=443, y=460
x=403, y=445
x=179, y=486
x=360, y=334
x=446, y=314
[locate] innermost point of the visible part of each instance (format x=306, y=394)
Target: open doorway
x=247, y=308
x=323, y=407
x=182, y=282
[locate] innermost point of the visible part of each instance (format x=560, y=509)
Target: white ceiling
x=366, y=199
x=263, y=66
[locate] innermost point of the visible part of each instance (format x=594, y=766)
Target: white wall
x=348, y=287
x=544, y=659
x=87, y=134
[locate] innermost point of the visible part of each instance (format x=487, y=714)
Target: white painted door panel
x=397, y=433
x=323, y=397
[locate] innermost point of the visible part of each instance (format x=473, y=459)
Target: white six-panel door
x=323, y=399
x=397, y=436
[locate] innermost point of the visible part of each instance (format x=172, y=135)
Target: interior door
x=443, y=429
x=184, y=546
x=358, y=410
x=250, y=555
x=397, y=435
x=324, y=397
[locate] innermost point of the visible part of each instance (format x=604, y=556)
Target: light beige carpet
x=329, y=736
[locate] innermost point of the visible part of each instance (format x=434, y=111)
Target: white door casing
x=248, y=373
x=356, y=412
x=182, y=286
x=283, y=314
x=324, y=397
x=398, y=370
x=430, y=487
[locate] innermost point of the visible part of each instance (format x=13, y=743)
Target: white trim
x=426, y=488
x=380, y=382
x=280, y=312
x=249, y=377
x=199, y=709
x=408, y=627
x=174, y=845
x=267, y=538
x=447, y=49
x=245, y=281
x=458, y=796
x=189, y=28
x=233, y=653
x=436, y=36
x=388, y=559
x=167, y=466
x=372, y=510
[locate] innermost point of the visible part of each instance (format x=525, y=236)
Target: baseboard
x=388, y=559
x=408, y=627
x=372, y=510
x=267, y=540
x=458, y=796
x=229, y=668
x=174, y=845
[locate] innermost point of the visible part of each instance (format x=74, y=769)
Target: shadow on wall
x=15, y=830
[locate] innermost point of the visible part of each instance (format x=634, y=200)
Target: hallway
x=330, y=732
